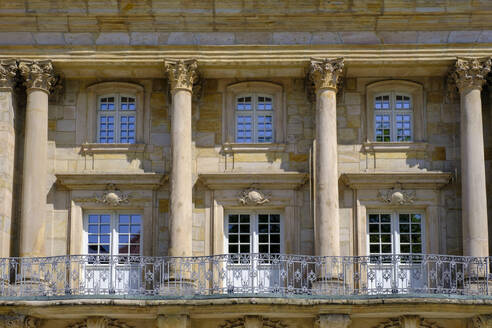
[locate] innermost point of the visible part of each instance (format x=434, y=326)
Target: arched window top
x=395, y=111
x=109, y=87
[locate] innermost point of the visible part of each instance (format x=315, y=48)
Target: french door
x=395, y=242
x=113, y=241
x=253, y=240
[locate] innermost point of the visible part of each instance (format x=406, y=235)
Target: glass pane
x=264, y=103
x=244, y=129
x=244, y=103
x=264, y=128
x=403, y=128
x=233, y=249
x=402, y=102
x=382, y=102
x=383, y=127
x=106, y=129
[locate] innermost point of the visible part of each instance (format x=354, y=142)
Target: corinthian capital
x=482, y=321
x=182, y=74
x=325, y=73
x=8, y=71
x=38, y=74
x=470, y=73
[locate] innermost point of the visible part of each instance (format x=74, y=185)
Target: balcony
x=245, y=275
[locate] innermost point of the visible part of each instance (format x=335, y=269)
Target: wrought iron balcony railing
x=268, y=275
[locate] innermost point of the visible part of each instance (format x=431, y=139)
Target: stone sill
x=115, y=148
x=393, y=147
x=252, y=148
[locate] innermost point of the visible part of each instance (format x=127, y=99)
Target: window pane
x=264, y=128
x=382, y=102
x=244, y=128
x=410, y=233
x=383, y=127
x=106, y=129
x=403, y=128
x=244, y=103
x=380, y=237
x=402, y=102
x=127, y=129
x=106, y=103
x=265, y=103
x=127, y=103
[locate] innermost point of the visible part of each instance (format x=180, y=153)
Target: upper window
x=254, y=114
x=254, y=119
x=117, y=113
x=393, y=117
x=117, y=119
x=395, y=112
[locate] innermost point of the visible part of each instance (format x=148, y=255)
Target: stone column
x=182, y=75
x=326, y=74
x=173, y=321
x=333, y=321
x=470, y=76
x=8, y=71
x=39, y=78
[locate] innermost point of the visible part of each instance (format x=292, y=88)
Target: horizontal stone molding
x=98, y=148
x=263, y=180
x=99, y=180
x=393, y=147
x=407, y=180
x=252, y=148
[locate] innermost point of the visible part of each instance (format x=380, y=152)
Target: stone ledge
x=116, y=148
x=412, y=180
x=252, y=148
x=393, y=147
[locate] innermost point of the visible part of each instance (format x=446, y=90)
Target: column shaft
x=473, y=190
x=39, y=79
x=328, y=222
x=33, y=223
x=470, y=75
x=7, y=150
x=182, y=75
x=180, y=223
x=325, y=75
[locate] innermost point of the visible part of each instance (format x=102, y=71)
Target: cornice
x=263, y=180
x=99, y=180
x=407, y=180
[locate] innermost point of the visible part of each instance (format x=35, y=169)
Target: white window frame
x=114, y=230
x=254, y=114
x=393, y=112
x=254, y=241
x=117, y=113
x=395, y=229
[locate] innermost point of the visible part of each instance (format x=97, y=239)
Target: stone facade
x=324, y=172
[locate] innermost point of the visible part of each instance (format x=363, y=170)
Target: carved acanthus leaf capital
x=408, y=321
x=8, y=72
x=18, y=321
x=326, y=73
x=38, y=74
x=182, y=74
x=470, y=73
x=482, y=321
x=99, y=322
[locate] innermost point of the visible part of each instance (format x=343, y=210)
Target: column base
x=328, y=286
x=178, y=287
